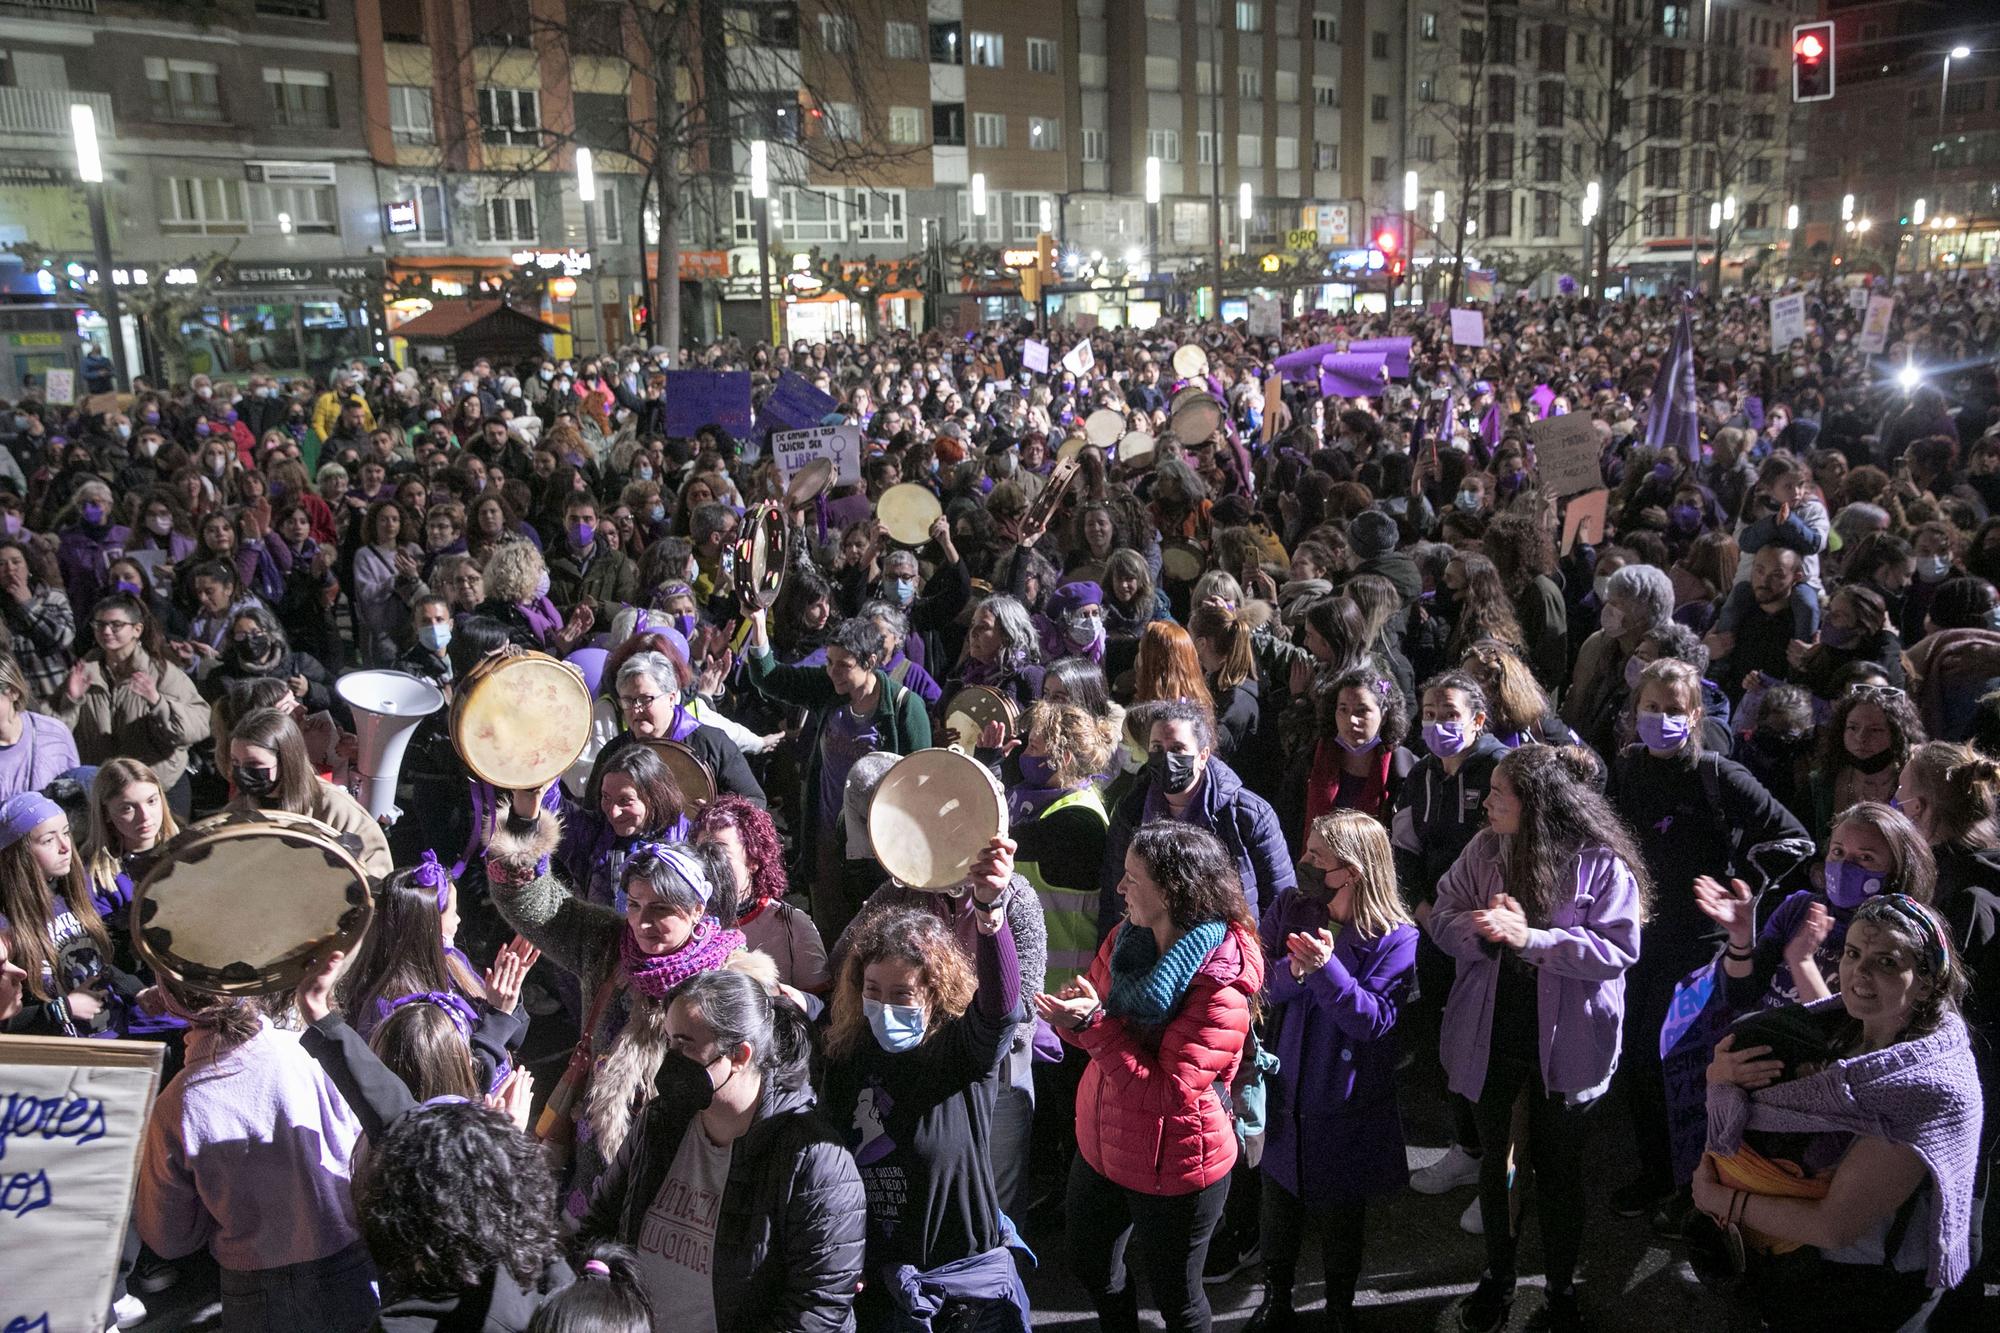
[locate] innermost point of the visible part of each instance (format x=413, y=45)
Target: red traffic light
x=1385, y=241
x=1812, y=61
x=1809, y=48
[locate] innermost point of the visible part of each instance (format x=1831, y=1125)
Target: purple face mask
x=1850, y=884
x=1446, y=739
x=583, y=534
x=93, y=513
x=1664, y=731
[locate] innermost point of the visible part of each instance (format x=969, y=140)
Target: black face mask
x=254, y=782
x=1874, y=763
x=1174, y=772
x=683, y=1075
x=253, y=648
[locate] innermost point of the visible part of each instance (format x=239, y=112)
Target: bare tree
x=1736, y=149
x=1452, y=112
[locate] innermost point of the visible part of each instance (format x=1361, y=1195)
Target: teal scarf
x=1145, y=987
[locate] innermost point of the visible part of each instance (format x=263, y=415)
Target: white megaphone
x=387, y=706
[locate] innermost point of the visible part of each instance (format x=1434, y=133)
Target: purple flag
x=1541, y=398
x=1397, y=350
x=1352, y=374
x=1491, y=426
x=1304, y=363
x=1673, y=415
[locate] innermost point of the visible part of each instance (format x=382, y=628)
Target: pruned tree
x=163, y=299
x=698, y=79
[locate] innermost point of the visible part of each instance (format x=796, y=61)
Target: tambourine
x=1072, y=447
x=1044, y=508
x=809, y=483
x=519, y=722
x=1182, y=561
x=1196, y=420
x=1138, y=449
x=908, y=511
x=241, y=904
x=764, y=551
x=691, y=772
x=967, y=713
x=1103, y=427
x=1190, y=362
x=932, y=816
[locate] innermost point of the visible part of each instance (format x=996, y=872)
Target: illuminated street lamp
x=90, y=170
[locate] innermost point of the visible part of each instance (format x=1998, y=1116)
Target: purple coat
x=84, y=561
x=1579, y=959
x=1332, y=1131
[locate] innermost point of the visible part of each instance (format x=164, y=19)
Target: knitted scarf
x=656, y=975
x=1922, y=1094
x=1145, y=986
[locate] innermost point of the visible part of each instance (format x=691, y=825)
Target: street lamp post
x=586, y=190
x=1243, y=201
x=1152, y=216
x=760, y=207
x=1591, y=198
x=90, y=170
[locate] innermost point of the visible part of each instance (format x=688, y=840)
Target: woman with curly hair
x=1002, y=651
x=517, y=595
x=1542, y=914
x=1357, y=760
x=1862, y=749
x=739, y=831
x=916, y=1035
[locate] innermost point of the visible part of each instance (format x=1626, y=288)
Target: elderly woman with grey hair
x=1002, y=652
x=1638, y=600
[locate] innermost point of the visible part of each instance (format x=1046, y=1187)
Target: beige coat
x=340, y=812
x=112, y=720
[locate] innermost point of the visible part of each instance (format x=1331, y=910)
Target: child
x=57, y=938
x=605, y=1298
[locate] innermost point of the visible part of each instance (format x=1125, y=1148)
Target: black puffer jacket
x=789, y=1241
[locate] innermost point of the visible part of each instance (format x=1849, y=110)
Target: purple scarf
x=656, y=976
x=542, y=618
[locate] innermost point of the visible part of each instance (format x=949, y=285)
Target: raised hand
x=1732, y=908
x=315, y=993
x=514, y=1097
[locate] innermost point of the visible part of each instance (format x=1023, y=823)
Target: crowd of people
x=1338, y=761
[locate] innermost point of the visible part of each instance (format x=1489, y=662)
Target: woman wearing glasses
x=653, y=690
x=124, y=697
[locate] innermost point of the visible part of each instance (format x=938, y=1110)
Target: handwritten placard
x=1566, y=450
x=1035, y=356
x=795, y=448
x=1875, y=325
x=72, y=1120
x=1788, y=320
x=1857, y=298
x=60, y=387
x=1468, y=328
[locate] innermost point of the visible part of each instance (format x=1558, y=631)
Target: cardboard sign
x=1583, y=519
x=1266, y=317
x=697, y=398
x=72, y=1122
x=1274, y=405
x=794, y=404
x=1788, y=320
x=795, y=448
x=59, y=387
x=1566, y=450
x=1875, y=325
x=1468, y=328
x=1035, y=356
x=1079, y=359
x=1857, y=298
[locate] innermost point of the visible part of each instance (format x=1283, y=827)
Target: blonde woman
x=129, y=819
x=517, y=595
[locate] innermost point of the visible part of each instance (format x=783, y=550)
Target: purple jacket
x=1332, y=1131
x=84, y=560
x=1580, y=961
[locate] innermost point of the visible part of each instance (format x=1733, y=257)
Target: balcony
x=83, y=7
x=46, y=111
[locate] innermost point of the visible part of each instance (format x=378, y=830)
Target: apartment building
x=237, y=135
x=1517, y=109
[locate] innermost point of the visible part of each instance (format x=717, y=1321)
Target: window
x=313, y=209
x=1553, y=50
x=1663, y=116
x=1425, y=148
x=293, y=9
x=903, y=41
x=1500, y=156
x=1760, y=171
x=1499, y=99
x=1663, y=168
x=1549, y=106
x=1378, y=45
x=1326, y=28
x=1044, y=134
x=1548, y=161
x=1499, y=219
x=404, y=23
x=1024, y=215
x=1285, y=152
x=300, y=98
x=510, y=115
x=1190, y=223
x=948, y=124
x=603, y=121
x=1249, y=16
x=1427, y=89
x=1249, y=150
x=1041, y=56
x=1756, y=217
x=1471, y=46
x=1326, y=157
x=1502, y=40
x=410, y=114
x=1548, y=214
x=1761, y=125
x=1378, y=170
x=201, y=206
x=1093, y=71
x=906, y=124
x=989, y=130
x=836, y=34
x=1667, y=67
x=843, y=122
x=976, y=228
x=1249, y=83
x=879, y=215
x=597, y=30
x=743, y=215
x=431, y=229
x=989, y=49
x=810, y=216
x=1427, y=26
x=508, y=216
x=1965, y=98
x=1091, y=143
x=1164, y=144
x=1285, y=86
x=1674, y=21
x=1325, y=92
x=1378, y=108
x=1204, y=148
x=183, y=90
x=1163, y=74
x=1763, y=79
x=1659, y=216
x=610, y=212
x=946, y=46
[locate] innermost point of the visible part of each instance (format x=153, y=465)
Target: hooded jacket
x=1438, y=813
x=1245, y=822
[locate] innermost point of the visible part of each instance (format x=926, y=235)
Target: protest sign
x=1035, y=356
x=1583, y=519
x=794, y=404
x=697, y=398
x=795, y=448
x=1857, y=298
x=1566, y=450
x=1079, y=359
x=1266, y=317
x=1274, y=405
x=72, y=1121
x=1468, y=328
x=59, y=387
x=1788, y=320
x=1875, y=325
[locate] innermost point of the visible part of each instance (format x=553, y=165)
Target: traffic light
x=1041, y=273
x=1812, y=62
x=1385, y=241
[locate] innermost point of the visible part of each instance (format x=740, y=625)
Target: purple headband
x=430, y=873
x=24, y=812
x=674, y=858
x=463, y=1016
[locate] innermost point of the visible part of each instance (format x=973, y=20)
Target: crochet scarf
x=1922, y=1094
x=1145, y=986
x=656, y=975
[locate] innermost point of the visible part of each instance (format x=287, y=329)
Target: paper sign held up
x=795, y=448
x=1079, y=359
x=59, y=387
x=1035, y=356
x=1266, y=317
x=1468, y=328
x=1566, y=450
x=1788, y=320
x=1875, y=325
x=1583, y=519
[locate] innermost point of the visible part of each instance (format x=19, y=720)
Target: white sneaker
x=1472, y=1222
x=128, y=1310
x=1457, y=1167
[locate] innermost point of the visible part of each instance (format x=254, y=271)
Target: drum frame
x=462, y=695
x=990, y=786
x=765, y=531
x=1009, y=713
x=678, y=755
x=913, y=487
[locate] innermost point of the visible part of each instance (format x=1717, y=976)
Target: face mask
x=1364, y=748
x=1172, y=770
x=685, y=623
x=904, y=591
x=204, y=393
x=1634, y=668
x=582, y=534
x=254, y=782
x=1684, y=517
x=1084, y=631
x=432, y=414
x=434, y=636
x=148, y=447
x=1468, y=501
x=150, y=418
x=657, y=514
x=126, y=586
x=12, y=523
x=1836, y=636
x=1664, y=731
x=542, y=585
x=255, y=646
x=1850, y=884
x=1612, y=621
x=1601, y=588
x=93, y=514
x=546, y=373
x=642, y=473
x=1037, y=771
x=267, y=392
x=124, y=430
x=898, y=1027
x=216, y=465
x=1933, y=568
x=1446, y=739
x=161, y=524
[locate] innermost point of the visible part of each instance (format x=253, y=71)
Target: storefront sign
x=402, y=216
x=573, y=262
x=704, y=265
x=1302, y=238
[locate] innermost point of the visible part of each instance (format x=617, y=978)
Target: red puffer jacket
x=1150, y=1114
